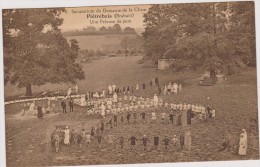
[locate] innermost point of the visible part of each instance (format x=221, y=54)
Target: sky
x=79, y=18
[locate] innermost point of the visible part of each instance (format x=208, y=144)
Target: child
x=79, y=139
x=153, y=116
x=171, y=117
x=134, y=115
x=121, y=140
x=163, y=117
x=128, y=116
x=115, y=119
x=122, y=118
x=175, y=140
x=156, y=142
x=145, y=140
x=92, y=133
x=88, y=136
x=99, y=139
x=182, y=140
x=143, y=116
x=132, y=141
x=166, y=141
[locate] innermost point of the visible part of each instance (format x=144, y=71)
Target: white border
x=4, y=4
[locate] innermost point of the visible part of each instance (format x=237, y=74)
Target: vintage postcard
x=160, y=83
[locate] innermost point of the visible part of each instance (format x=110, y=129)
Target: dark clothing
x=143, y=85
x=92, y=133
x=156, y=81
x=156, y=141
x=71, y=105
x=145, y=140
x=134, y=115
x=79, y=139
x=128, y=117
x=122, y=119
x=166, y=141
x=102, y=128
x=182, y=141
x=171, y=118
x=115, y=120
x=132, y=140
x=40, y=114
x=159, y=90
x=63, y=105
x=99, y=139
x=121, y=140
x=189, y=115
x=143, y=115
x=72, y=136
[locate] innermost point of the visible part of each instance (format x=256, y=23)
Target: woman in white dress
x=67, y=136
x=187, y=140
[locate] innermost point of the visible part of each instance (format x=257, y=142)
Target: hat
x=243, y=130
x=174, y=136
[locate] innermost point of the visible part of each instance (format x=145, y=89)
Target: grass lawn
x=235, y=103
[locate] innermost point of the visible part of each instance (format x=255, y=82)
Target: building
x=164, y=64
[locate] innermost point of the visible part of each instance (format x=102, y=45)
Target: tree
x=116, y=28
x=103, y=29
x=201, y=34
x=129, y=30
x=35, y=52
x=89, y=29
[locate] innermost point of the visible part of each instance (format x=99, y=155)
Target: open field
x=100, y=42
x=28, y=141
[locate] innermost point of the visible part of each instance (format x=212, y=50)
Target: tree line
x=90, y=30
x=208, y=35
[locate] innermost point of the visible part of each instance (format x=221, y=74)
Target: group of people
x=242, y=144
x=71, y=137
x=170, y=88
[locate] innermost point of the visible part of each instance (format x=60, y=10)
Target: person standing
x=128, y=116
x=115, y=119
x=189, y=116
x=121, y=141
x=134, y=116
x=99, y=138
x=76, y=89
x=63, y=105
x=66, y=136
x=92, y=132
x=88, y=137
x=102, y=127
x=145, y=140
x=181, y=141
x=143, y=116
x=71, y=105
x=187, y=140
x=171, y=117
x=133, y=140
x=163, y=117
x=166, y=141
x=40, y=113
x=175, y=140
x=156, y=141
x=69, y=92
x=153, y=117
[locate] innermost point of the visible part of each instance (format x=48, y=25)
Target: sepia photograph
x=130, y=84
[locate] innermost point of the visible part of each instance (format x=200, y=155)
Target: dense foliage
x=218, y=35
x=35, y=52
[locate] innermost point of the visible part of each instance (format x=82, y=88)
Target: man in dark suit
x=63, y=105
